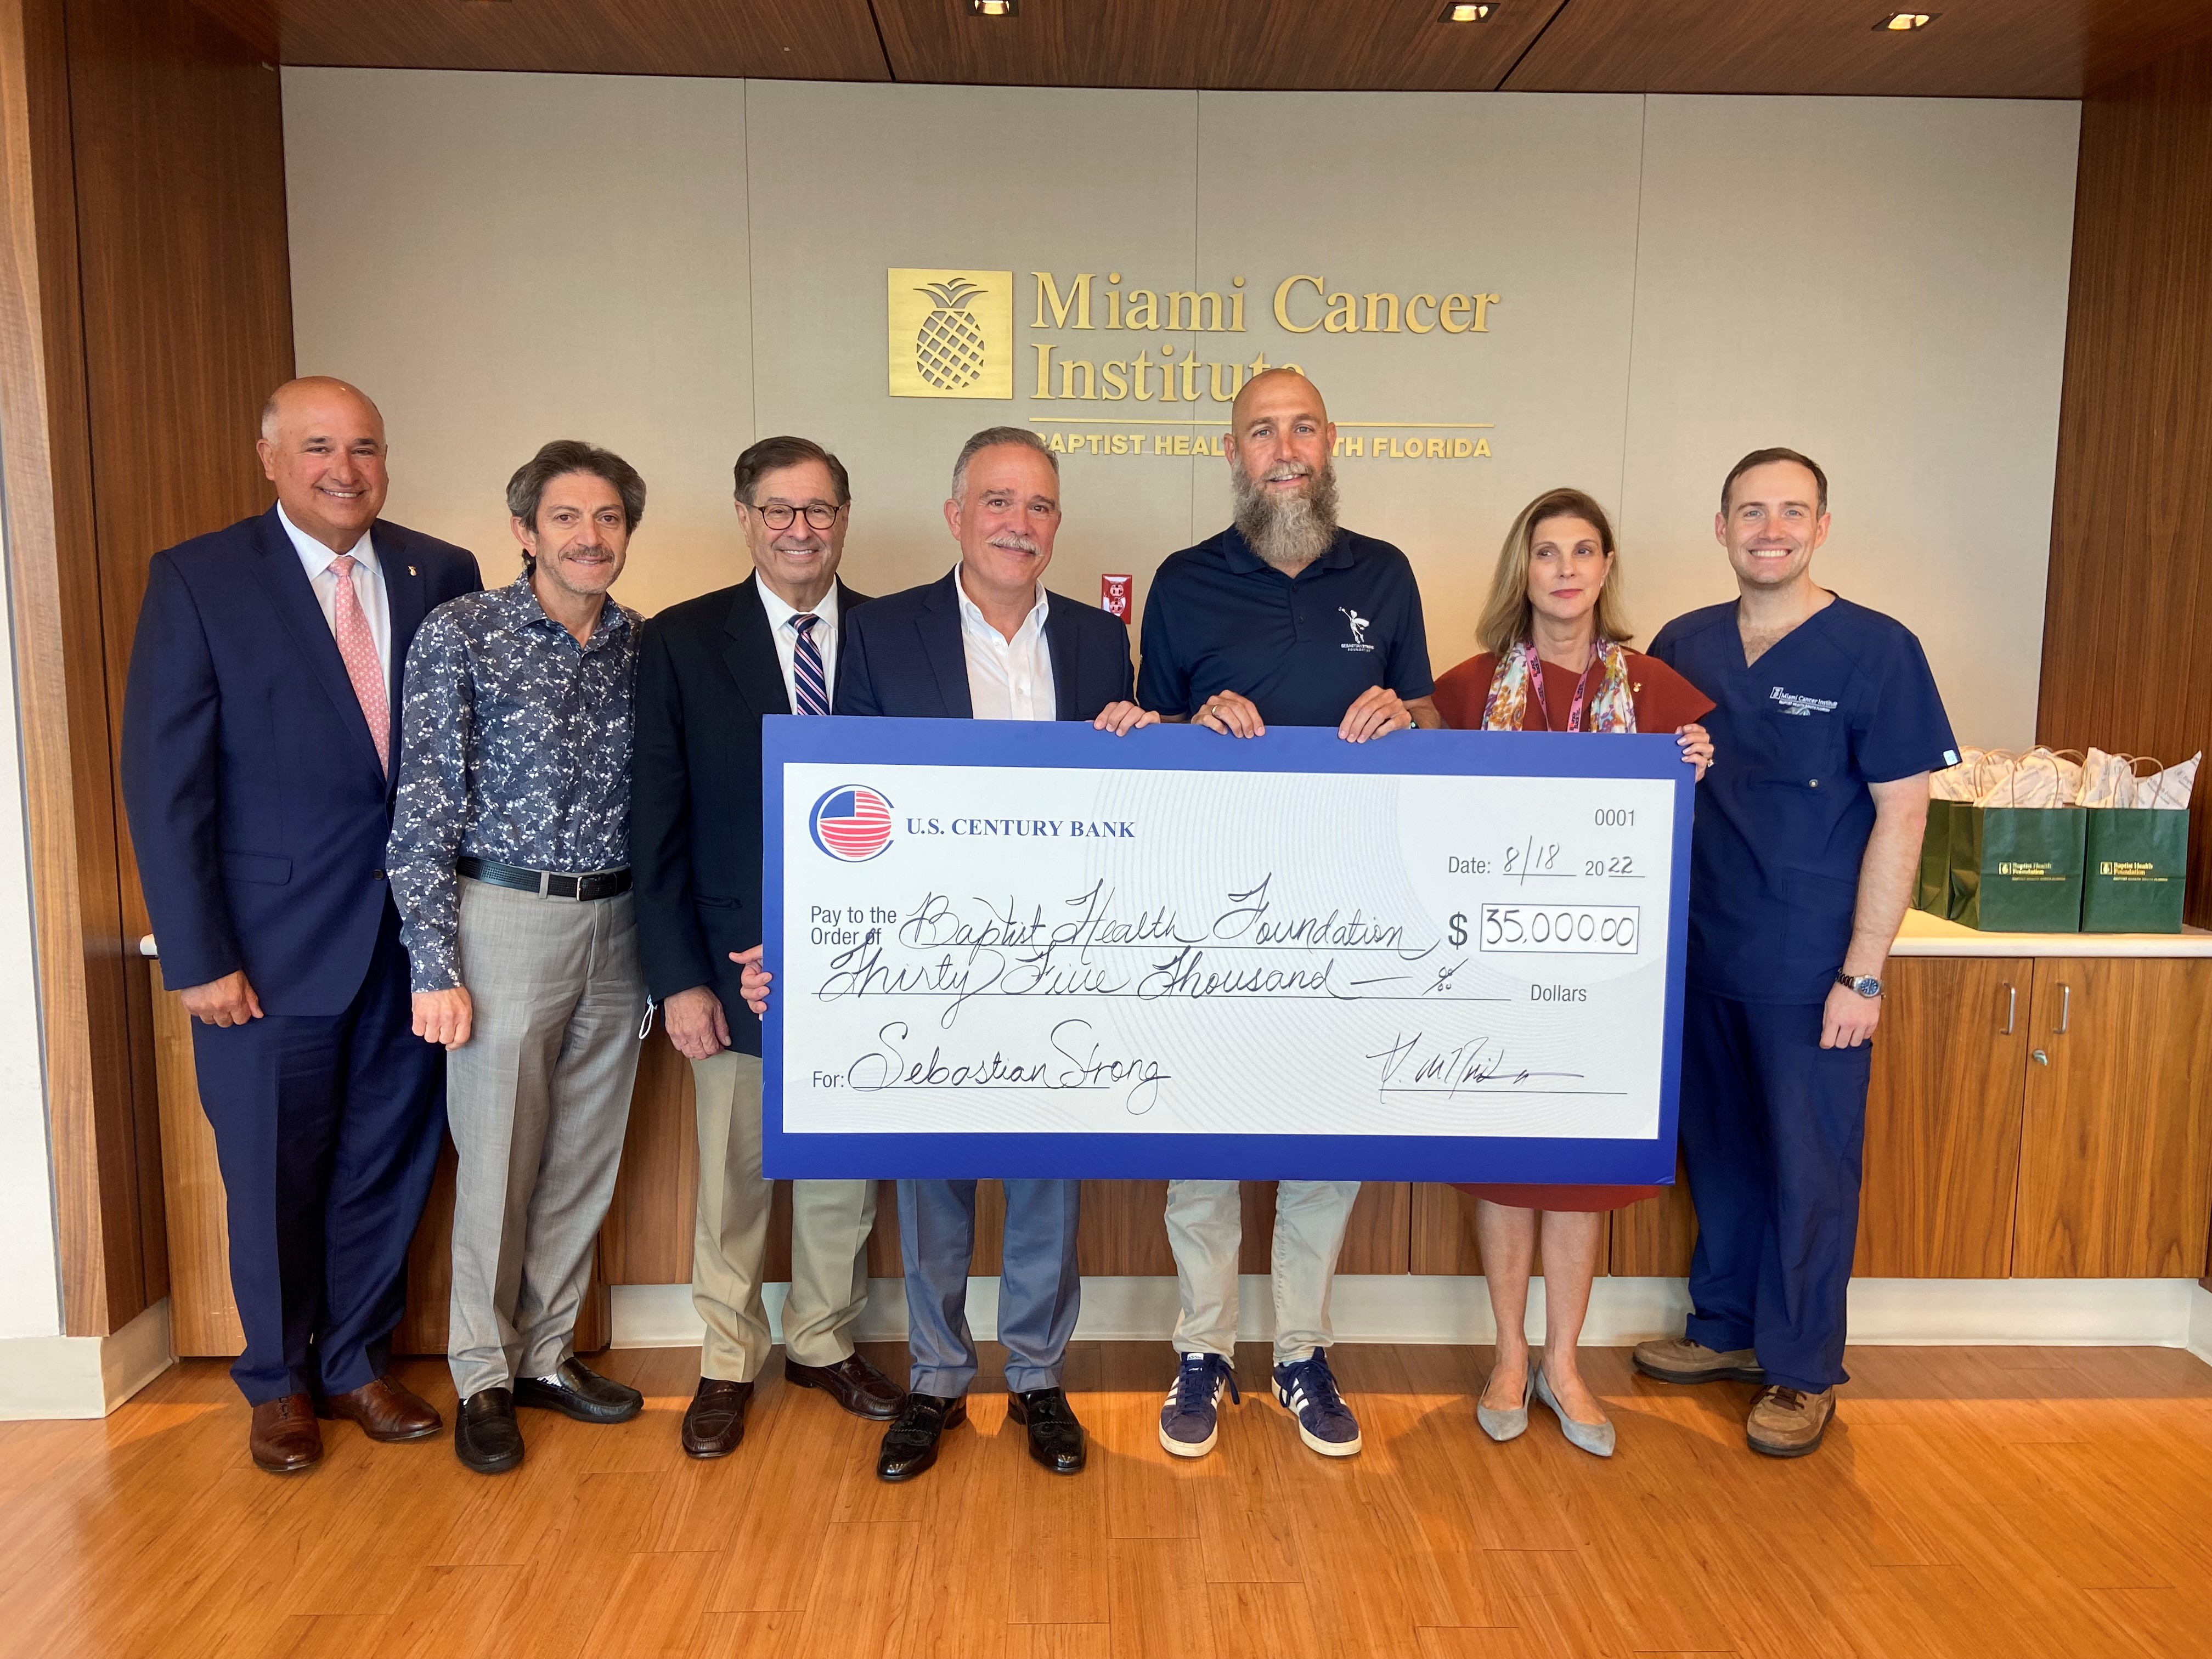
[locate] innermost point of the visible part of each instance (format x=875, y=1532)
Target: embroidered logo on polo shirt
x=1360, y=627
x=1792, y=704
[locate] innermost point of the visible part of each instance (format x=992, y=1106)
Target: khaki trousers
x=1205, y=1230
x=829, y=1226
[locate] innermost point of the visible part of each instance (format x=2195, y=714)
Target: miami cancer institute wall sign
x=953, y=335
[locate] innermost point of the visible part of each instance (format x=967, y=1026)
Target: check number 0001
x=1560, y=929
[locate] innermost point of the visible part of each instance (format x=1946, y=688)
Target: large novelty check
x=1008, y=948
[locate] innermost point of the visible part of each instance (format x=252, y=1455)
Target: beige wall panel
x=501, y=260
x=1530, y=199
x=1881, y=284
x=848, y=182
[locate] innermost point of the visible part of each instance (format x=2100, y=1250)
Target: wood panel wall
x=2130, y=604
x=147, y=313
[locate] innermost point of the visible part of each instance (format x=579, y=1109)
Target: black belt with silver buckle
x=546, y=883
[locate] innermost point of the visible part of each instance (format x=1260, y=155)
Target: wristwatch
x=1865, y=986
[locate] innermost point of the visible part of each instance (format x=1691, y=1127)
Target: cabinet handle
x=2065, y=1009
x=2040, y=1057
x=2012, y=1008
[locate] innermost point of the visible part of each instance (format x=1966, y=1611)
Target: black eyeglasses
x=776, y=516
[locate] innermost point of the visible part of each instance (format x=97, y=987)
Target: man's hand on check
x=1230, y=715
x=1378, y=710
x=752, y=982
x=1123, y=718
x=1696, y=744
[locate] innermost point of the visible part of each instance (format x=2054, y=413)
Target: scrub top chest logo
x=852, y=824
x=1359, y=625
x=952, y=333
x=1791, y=703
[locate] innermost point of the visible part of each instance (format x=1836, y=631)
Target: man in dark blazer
x=708, y=670
x=988, y=642
x=260, y=733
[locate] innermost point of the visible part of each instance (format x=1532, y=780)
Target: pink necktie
x=359, y=651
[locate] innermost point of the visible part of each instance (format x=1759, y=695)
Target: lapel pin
x=411, y=569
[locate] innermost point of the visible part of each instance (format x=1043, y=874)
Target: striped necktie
x=806, y=668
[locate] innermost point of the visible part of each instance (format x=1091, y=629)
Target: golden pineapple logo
x=952, y=333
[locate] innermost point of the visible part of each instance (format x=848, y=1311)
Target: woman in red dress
x=1554, y=661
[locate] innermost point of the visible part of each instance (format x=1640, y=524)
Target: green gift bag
x=1933, y=893
x=2018, y=869
x=2134, y=860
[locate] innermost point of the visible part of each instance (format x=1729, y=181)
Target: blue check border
x=789, y=740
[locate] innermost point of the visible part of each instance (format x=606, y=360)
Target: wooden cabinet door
x=2116, y=1158
x=1943, y=1119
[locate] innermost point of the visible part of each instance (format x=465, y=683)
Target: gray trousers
x=537, y=1099
x=1039, y=1291
x=1205, y=1229
x=829, y=1226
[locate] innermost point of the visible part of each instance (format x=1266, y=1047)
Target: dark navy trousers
x=327, y=1127
x=1772, y=1126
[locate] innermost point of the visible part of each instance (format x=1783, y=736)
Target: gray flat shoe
x=1595, y=1438
x=1502, y=1426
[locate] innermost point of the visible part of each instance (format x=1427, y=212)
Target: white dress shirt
x=368, y=586
x=783, y=629
x=1007, y=679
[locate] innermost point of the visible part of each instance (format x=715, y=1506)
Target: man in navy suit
x=988, y=642
x=260, y=734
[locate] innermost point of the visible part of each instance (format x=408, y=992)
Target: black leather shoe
x=715, y=1421
x=576, y=1390
x=1055, y=1438
x=854, y=1383
x=485, y=1436
x=910, y=1443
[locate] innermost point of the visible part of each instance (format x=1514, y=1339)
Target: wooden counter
x=2037, y=1111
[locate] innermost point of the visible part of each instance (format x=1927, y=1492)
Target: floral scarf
x=1520, y=675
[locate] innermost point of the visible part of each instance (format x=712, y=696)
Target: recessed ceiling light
x=993, y=8
x=1476, y=14
x=1900, y=21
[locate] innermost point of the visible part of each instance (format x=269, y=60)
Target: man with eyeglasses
x=708, y=670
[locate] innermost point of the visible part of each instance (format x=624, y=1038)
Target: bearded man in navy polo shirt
x=1284, y=618
x=1808, y=842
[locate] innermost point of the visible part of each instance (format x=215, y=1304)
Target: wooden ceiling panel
x=1973, y=49
x=817, y=40
x=1286, y=44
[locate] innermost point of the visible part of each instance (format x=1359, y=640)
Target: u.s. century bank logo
x=952, y=334
x=852, y=822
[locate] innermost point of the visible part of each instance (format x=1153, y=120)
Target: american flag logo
x=852, y=824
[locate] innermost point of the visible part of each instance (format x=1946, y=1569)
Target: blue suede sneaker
x=1189, y=1420
x=1308, y=1389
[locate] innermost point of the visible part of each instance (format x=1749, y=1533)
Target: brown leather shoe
x=715, y=1421
x=285, y=1439
x=1788, y=1422
x=387, y=1409
x=854, y=1383
x=1678, y=1359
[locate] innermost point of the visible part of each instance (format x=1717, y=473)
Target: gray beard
x=1287, y=530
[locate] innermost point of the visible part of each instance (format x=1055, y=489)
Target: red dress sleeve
x=1664, y=699
x=1461, y=692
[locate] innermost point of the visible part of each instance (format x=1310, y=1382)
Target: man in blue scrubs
x=1807, y=845
x=1285, y=619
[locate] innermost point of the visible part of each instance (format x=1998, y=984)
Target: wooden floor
x=1971, y=1501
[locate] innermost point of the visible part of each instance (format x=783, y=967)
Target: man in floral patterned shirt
x=509, y=861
